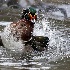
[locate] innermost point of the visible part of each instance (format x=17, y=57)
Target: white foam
x=4, y=23
x=10, y=42
x=67, y=8
x=10, y=64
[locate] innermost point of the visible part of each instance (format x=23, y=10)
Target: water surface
x=57, y=57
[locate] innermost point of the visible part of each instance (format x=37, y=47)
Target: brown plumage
x=22, y=29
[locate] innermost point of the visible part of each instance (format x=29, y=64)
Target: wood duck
x=16, y=34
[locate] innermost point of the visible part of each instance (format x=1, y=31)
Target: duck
x=17, y=34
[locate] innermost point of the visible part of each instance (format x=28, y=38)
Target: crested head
x=32, y=10
x=29, y=14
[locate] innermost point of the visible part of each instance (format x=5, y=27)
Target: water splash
x=59, y=42
x=59, y=46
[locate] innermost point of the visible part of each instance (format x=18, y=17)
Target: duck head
x=29, y=15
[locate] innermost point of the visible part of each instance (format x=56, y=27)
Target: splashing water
x=57, y=42
x=59, y=45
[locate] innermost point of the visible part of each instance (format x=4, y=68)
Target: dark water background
x=57, y=57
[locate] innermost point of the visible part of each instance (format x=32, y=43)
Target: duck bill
x=33, y=20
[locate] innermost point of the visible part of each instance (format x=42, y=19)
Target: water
x=57, y=57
